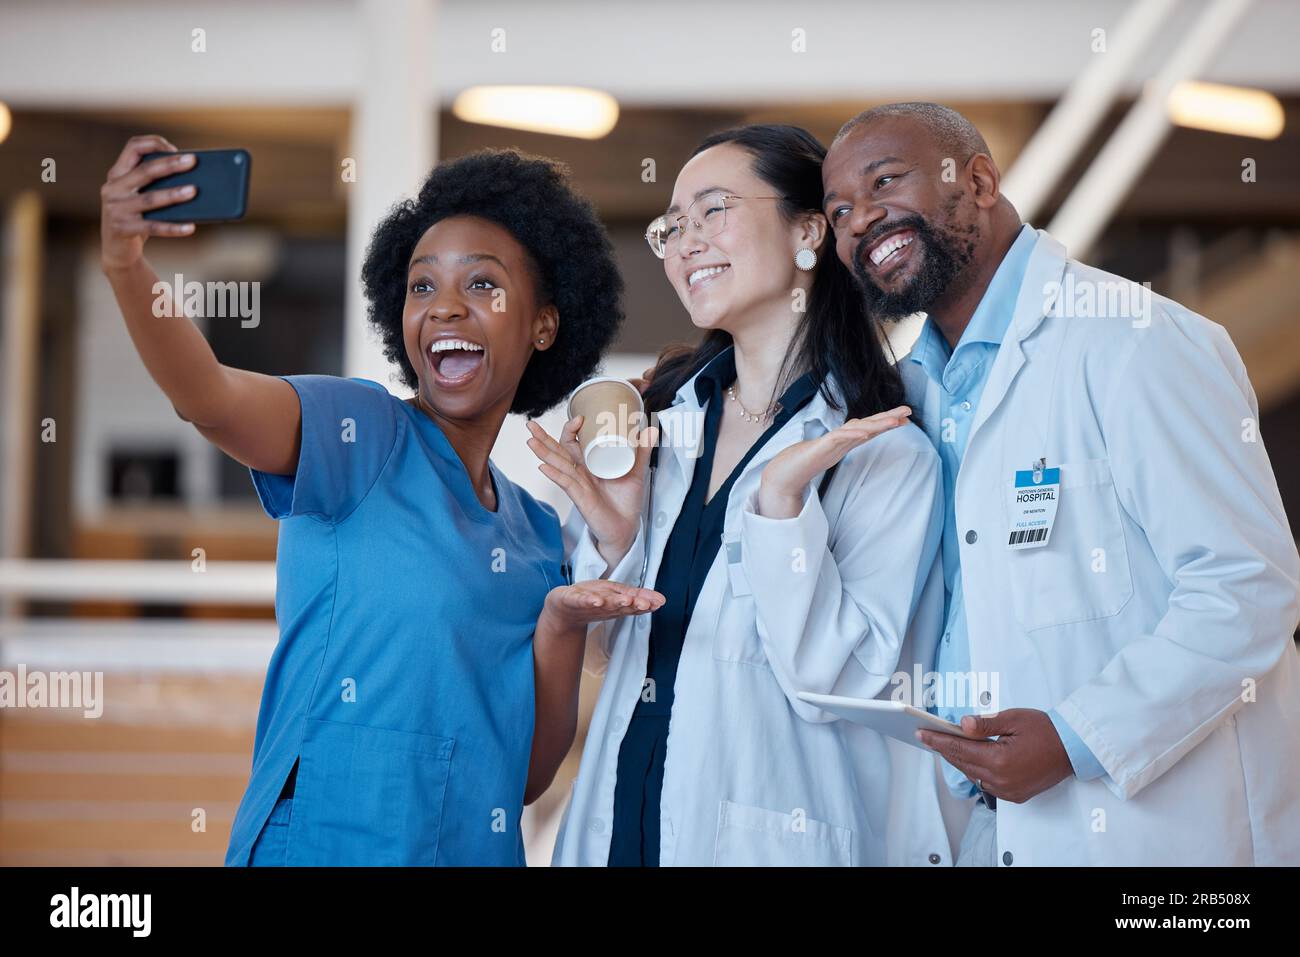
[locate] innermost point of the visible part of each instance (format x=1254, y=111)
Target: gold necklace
x=755, y=417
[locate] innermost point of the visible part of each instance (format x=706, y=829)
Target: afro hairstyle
x=572, y=258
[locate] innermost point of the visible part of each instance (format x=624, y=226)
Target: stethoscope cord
x=648, y=515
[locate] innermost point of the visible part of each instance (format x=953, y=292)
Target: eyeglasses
x=708, y=215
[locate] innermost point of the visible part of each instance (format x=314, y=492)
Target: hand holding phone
x=220, y=181
x=151, y=191
x=122, y=227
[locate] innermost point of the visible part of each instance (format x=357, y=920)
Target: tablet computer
x=893, y=718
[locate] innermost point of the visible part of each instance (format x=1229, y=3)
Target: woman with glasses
x=790, y=517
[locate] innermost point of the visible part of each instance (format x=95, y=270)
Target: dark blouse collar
x=720, y=372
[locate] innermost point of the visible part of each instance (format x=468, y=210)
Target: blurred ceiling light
x=1226, y=109
x=6, y=122
x=562, y=110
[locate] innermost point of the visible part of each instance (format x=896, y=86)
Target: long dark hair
x=836, y=337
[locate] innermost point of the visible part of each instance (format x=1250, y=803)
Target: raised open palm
x=780, y=493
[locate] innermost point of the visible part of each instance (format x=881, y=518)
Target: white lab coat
x=1158, y=620
x=821, y=602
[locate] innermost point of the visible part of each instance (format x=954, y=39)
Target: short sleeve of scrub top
x=348, y=429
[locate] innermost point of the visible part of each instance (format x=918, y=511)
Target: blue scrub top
x=402, y=682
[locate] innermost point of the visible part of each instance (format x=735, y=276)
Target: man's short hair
x=955, y=135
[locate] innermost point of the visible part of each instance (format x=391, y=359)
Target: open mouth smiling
x=890, y=250
x=705, y=274
x=455, y=361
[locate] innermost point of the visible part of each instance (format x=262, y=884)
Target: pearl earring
x=805, y=259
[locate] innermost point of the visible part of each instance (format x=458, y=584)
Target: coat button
x=661, y=519
x=935, y=858
x=1007, y=858
x=971, y=537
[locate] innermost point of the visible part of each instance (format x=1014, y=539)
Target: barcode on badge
x=1024, y=535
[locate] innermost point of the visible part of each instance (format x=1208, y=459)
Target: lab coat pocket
x=368, y=796
x=756, y=837
x=1082, y=573
x=736, y=638
x=724, y=613
x=735, y=635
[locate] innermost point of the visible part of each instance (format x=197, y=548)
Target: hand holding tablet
x=893, y=718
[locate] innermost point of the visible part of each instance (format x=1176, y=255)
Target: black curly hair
x=572, y=259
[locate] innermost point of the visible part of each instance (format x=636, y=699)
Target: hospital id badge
x=1034, y=498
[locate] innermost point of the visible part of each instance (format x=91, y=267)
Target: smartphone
x=221, y=178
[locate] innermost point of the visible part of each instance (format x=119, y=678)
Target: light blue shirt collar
x=992, y=316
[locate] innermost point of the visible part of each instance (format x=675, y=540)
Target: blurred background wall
x=107, y=495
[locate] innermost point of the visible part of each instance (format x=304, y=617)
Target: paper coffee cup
x=611, y=411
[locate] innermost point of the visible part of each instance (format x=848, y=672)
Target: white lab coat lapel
x=681, y=434
x=1038, y=292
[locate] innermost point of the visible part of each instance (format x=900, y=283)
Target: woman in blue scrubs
x=425, y=683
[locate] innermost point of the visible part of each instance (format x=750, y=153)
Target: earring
x=805, y=259
x=541, y=341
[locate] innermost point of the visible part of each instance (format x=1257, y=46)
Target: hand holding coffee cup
x=600, y=460
x=612, y=412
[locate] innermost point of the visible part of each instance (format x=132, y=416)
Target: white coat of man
x=1121, y=578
